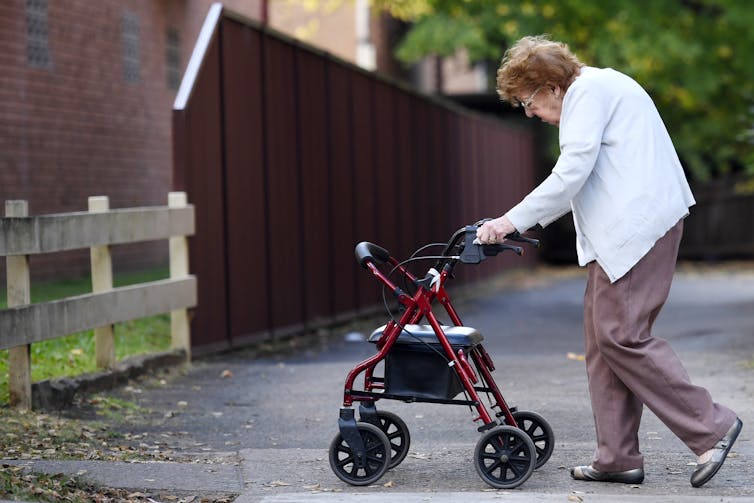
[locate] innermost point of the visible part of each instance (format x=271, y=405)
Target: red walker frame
x=417, y=307
x=506, y=454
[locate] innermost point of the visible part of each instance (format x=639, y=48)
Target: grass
x=74, y=354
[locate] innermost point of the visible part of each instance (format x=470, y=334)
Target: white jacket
x=617, y=171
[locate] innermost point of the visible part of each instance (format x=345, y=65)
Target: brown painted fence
x=719, y=226
x=291, y=157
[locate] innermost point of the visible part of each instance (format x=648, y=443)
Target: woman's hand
x=494, y=231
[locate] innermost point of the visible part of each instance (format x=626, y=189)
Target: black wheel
x=504, y=457
x=397, y=434
x=539, y=432
x=368, y=470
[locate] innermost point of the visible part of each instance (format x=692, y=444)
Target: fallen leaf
x=575, y=356
x=389, y=484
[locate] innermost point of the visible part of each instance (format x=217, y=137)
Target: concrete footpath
x=258, y=429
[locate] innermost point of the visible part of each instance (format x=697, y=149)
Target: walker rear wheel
x=397, y=434
x=364, y=471
x=539, y=431
x=505, y=457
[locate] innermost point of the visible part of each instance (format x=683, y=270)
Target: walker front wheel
x=505, y=457
x=539, y=431
x=364, y=470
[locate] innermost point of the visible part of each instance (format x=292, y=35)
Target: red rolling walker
x=433, y=363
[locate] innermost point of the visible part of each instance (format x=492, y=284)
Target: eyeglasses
x=528, y=102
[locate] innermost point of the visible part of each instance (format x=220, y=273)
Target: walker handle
x=370, y=252
x=513, y=236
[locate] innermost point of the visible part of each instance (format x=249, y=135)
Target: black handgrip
x=366, y=251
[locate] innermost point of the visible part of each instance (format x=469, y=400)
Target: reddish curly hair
x=534, y=61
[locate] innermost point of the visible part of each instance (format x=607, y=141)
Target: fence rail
x=58, y=318
x=73, y=231
x=23, y=323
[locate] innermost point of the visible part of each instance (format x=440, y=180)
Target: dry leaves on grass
x=16, y=482
x=31, y=435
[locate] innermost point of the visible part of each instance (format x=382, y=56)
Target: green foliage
x=692, y=56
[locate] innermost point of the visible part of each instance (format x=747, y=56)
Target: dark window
x=130, y=36
x=173, y=57
x=37, y=31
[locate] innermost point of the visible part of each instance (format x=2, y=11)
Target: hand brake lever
x=516, y=236
x=491, y=250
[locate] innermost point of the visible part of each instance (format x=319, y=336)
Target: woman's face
x=544, y=102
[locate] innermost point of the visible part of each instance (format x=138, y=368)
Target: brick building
x=86, y=88
x=86, y=94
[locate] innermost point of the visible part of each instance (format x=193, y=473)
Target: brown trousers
x=628, y=368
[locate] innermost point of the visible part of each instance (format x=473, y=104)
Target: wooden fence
x=23, y=323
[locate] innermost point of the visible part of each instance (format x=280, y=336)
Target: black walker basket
x=418, y=367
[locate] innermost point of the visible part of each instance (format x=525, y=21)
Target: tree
x=692, y=56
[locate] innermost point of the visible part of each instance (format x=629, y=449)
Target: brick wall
x=79, y=124
x=86, y=108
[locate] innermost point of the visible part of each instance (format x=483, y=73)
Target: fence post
x=102, y=281
x=19, y=294
x=179, y=267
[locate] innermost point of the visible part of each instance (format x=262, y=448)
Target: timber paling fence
x=292, y=156
x=23, y=323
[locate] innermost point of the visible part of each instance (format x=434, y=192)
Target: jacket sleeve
x=583, y=119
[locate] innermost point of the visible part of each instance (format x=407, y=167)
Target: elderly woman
x=619, y=175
